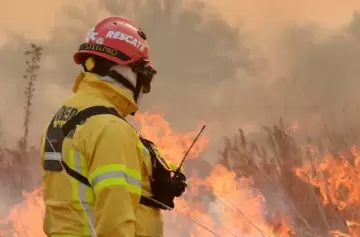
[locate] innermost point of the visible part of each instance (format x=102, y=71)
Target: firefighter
x=101, y=178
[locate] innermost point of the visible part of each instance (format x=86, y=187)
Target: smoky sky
x=209, y=70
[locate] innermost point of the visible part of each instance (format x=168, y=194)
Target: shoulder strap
x=78, y=119
x=83, y=115
x=79, y=177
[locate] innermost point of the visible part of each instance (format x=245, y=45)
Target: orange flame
x=26, y=219
x=173, y=144
x=338, y=181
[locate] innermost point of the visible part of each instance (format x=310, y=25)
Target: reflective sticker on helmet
x=127, y=38
x=91, y=35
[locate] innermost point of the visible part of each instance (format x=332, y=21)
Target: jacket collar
x=120, y=98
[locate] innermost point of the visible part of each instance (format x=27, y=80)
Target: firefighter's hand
x=178, y=182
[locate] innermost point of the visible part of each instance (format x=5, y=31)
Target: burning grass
x=276, y=187
x=315, y=189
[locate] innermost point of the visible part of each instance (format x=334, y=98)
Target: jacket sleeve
x=114, y=174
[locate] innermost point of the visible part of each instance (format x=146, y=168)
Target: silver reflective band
x=115, y=174
x=53, y=156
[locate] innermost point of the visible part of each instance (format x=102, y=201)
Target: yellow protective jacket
x=108, y=151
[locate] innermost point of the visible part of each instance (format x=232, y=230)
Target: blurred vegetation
x=17, y=165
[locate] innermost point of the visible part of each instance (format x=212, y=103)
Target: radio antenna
x=187, y=152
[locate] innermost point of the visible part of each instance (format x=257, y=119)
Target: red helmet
x=116, y=39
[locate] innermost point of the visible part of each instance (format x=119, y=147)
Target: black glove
x=178, y=184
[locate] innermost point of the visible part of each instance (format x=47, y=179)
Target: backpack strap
x=83, y=115
x=78, y=119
